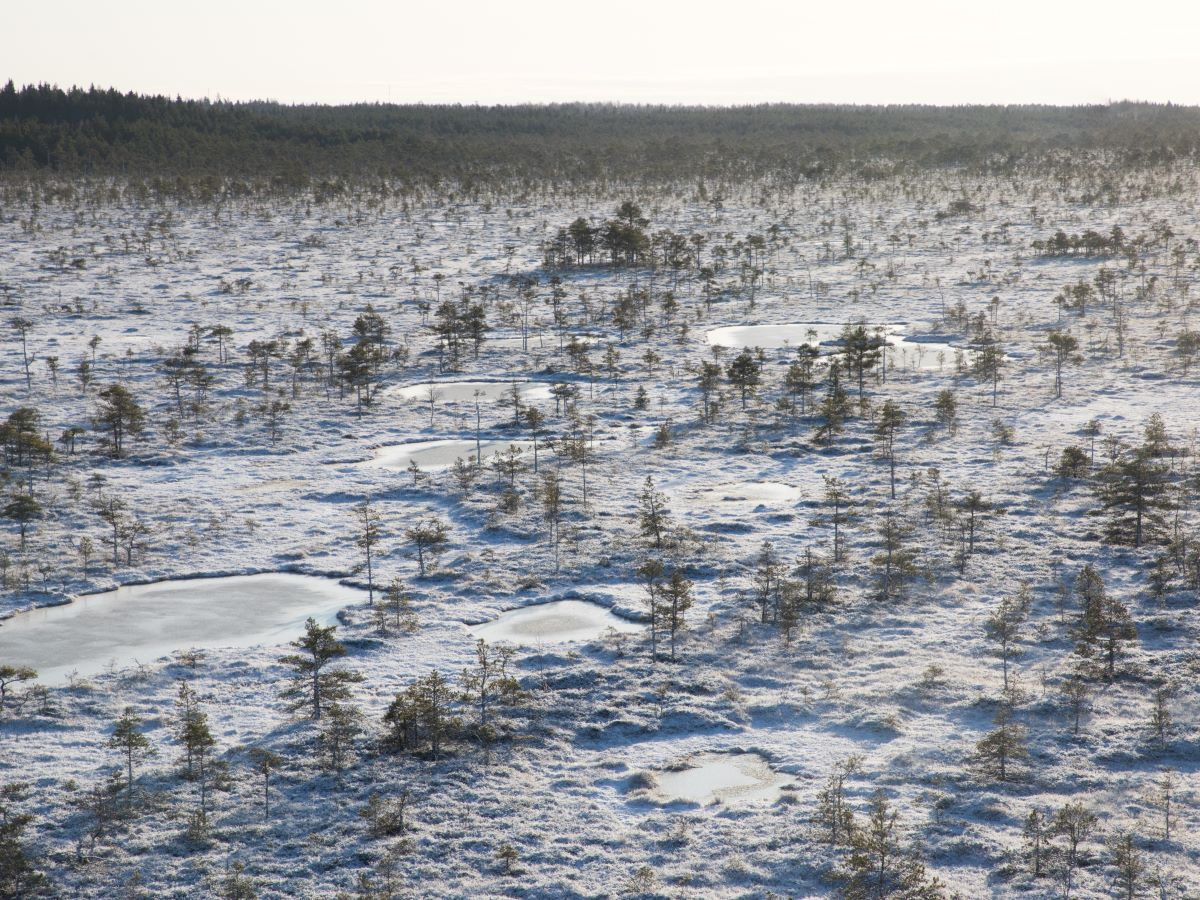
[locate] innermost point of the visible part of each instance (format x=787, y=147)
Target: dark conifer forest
x=106, y=132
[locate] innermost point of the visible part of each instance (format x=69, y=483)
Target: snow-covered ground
x=908, y=685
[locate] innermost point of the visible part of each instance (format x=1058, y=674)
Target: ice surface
x=464, y=391
x=907, y=352
x=772, y=337
x=771, y=493
x=554, y=622
x=139, y=623
x=730, y=778
x=438, y=454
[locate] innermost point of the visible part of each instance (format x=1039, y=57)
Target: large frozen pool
x=140, y=623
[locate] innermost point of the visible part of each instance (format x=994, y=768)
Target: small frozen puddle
x=438, y=454
x=141, y=623
x=556, y=622
x=727, y=778
x=465, y=391
x=908, y=353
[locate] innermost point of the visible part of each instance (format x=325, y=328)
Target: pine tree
x=835, y=407
x=1003, y=627
x=676, y=601
x=744, y=374
x=837, y=498
x=1077, y=693
x=397, y=603
x=998, y=750
x=653, y=514
x=19, y=875
x=1105, y=625
x=862, y=351
x=945, y=408
x=430, y=538
x=1075, y=823
x=128, y=738
x=191, y=730
x=879, y=865
x=768, y=572
x=834, y=815
x=891, y=419
x=1061, y=347
x=490, y=682
x=1036, y=832
x=367, y=519
x=896, y=561
x=265, y=762
x=1161, y=724
x=1133, y=493
x=800, y=377
x=119, y=419
x=314, y=683
x=340, y=726
x=22, y=509
x=421, y=715
x=651, y=572
x=1130, y=864
x=988, y=365
x=1162, y=797
x=10, y=676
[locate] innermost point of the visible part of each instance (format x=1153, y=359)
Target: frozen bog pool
x=728, y=778
x=438, y=454
x=554, y=622
x=905, y=352
x=770, y=493
x=925, y=356
x=464, y=391
x=140, y=623
x=772, y=337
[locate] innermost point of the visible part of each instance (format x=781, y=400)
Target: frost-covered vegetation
x=931, y=557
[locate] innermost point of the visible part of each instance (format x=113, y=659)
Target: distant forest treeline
x=105, y=132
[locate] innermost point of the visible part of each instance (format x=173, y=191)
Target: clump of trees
x=1089, y=243
x=622, y=240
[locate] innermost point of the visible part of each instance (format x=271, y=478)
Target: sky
x=630, y=51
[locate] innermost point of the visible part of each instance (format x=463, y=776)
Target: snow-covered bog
x=395, y=395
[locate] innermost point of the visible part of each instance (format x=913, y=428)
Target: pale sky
x=636, y=51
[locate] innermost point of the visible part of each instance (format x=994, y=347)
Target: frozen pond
x=772, y=337
x=727, y=778
x=438, y=454
x=558, y=621
x=464, y=391
x=140, y=623
x=767, y=493
x=906, y=352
